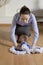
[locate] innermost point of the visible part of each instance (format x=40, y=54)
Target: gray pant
x=22, y=30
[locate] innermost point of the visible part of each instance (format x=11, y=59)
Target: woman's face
x=24, y=17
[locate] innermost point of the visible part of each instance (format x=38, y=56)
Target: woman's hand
x=18, y=46
x=33, y=48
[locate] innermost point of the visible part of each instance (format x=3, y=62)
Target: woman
x=20, y=26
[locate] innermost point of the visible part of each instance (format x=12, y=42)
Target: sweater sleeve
x=35, y=29
x=12, y=31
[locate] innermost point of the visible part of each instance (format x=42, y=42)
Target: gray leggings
x=22, y=30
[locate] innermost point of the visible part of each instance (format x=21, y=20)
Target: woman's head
x=24, y=14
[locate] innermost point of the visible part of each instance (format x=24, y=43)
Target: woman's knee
x=23, y=38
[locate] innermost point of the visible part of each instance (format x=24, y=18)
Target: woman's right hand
x=18, y=46
x=15, y=45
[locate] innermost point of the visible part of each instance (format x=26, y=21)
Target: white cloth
x=12, y=49
x=29, y=50
x=26, y=50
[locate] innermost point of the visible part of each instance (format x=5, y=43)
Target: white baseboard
x=5, y=20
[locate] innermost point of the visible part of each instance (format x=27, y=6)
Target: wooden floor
x=7, y=58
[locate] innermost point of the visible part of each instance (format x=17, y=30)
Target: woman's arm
x=35, y=29
x=12, y=32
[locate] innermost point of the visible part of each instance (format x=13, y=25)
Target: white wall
x=12, y=7
x=8, y=11
x=40, y=4
x=2, y=11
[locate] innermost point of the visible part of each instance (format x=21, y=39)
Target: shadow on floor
x=5, y=45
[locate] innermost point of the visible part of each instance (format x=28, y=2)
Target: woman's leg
x=23, y=38
x=16, y=37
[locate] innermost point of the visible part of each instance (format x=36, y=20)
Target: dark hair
x=24, y=10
